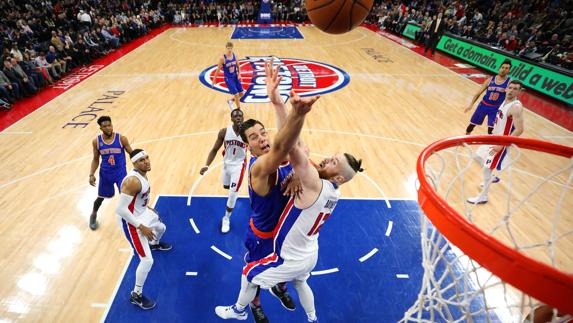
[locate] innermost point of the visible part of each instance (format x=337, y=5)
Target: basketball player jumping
x=295, y=240
x=232, y=73
x=234, y=162
x=140, y=223
x=509, y=122
x=494, y=95
x=111, y=147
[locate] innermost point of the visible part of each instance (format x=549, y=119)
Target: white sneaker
x=493, y=181
x=477, y=200
x=231, y=312
x=225, y=224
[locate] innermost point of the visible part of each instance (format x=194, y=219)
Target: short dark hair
x=229, y=44
x=135, y=152
x=507, y=61
x=516, y=82
x=236, y=110
x=103, y=119
x=354, y=163
x=246, y=125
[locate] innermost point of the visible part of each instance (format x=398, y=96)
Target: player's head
x=105, y=125
x=229, y=46
x=512, y=90
x=237, y=117
x=504, y=68
x=140, y=160
x=255, y=135
x=339, y=168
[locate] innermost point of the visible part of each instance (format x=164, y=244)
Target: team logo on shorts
x=305, y=77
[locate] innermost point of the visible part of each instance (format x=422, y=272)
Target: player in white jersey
x=295, y=241
x=508, y=122
x=140, y=223
x=234, y=163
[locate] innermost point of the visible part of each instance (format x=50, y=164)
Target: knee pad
x=232, y=199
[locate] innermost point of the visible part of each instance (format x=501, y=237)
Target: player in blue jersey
x=232, y=73
x=111, y=147
x=494, y=96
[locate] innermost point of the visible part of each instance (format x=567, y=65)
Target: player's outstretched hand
x=302, y=105
x=273, y=80
x=147, y=232
x=203, y=170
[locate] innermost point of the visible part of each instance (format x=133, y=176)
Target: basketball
x=337, y=16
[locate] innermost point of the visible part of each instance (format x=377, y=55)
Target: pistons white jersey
x=138, y=205
x=503, y=125
x=297, y=232
x=235, y=149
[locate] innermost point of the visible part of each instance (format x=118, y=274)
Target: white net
x=529, y=210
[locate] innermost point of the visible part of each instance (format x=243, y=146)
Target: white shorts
x=233, y=175
x=138, y=241
x=270, y=271
x=490, y=159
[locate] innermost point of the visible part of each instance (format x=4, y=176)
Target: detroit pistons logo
x=306, y=77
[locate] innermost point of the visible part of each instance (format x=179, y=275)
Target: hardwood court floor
x=54, y=269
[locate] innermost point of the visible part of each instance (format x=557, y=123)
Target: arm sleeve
x=123, y=211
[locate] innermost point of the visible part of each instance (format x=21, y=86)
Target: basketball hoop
x=465, y=264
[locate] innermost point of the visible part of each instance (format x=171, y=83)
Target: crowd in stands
x=538, y=30
x=42, y=40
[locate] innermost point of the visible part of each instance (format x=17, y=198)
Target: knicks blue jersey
x=112, y=155
x=267, y=210
x=495, y=93
x=230, y=66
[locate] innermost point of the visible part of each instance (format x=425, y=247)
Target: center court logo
x=305, y=77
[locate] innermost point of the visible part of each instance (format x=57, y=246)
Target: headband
x=139, y=155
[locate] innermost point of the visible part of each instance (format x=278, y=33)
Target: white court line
x=119, y=279
x=98, y=305
x=15, y=133
x=389, y=228
x=324, y=272
x=194, y=226
x=217, y=250
x=191, y=273
x=124, y=249
x=368, y=255
x=402, y=276
x=199, y=179
x=558, y=137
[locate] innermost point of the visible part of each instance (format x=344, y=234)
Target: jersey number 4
x=111, y=160
x=322, y=217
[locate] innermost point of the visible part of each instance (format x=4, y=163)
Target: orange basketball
x=337, y=16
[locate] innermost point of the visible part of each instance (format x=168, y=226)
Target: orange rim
x=541, y=281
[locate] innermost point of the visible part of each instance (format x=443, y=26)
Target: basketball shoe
x=225, y=224
x=231, y=312
x=141, y=301
x=284, y=297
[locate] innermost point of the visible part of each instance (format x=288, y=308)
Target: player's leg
x=158, y=228
x=239, y=93
x=487, y=173
x=236, y=174
x=477, y=118
x=105, y=190
x=141, y=248
x=306, y=298
x=233, y=90
x=491, y=115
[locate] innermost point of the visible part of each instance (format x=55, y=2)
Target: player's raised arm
x=273, y=80
x=286, y=138
x=216, y=146
x=482, y=88
x=95, y=162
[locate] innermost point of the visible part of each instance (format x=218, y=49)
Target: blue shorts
x=107, y=180
x=234, y=85
x=257, y=247
x=482, y=111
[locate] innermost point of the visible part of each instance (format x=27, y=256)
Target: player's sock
x=97, y=204
x=311, y=316
x=138, y=289
x=489, y=130
x=470, y=128
x=228, y=214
